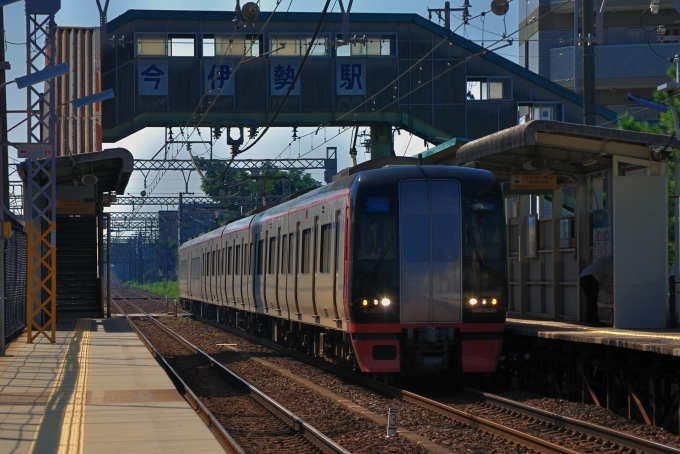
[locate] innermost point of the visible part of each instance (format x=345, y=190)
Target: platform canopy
x=567, y=148
x=112, y=168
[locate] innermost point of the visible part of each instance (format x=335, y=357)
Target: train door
x=211, y=272
x=195, y=274
x=323, y=280
x=238, y=270
x=430, y=259
x=282, y=279
x=273, y=270
x=293, y=243
x=204, y=273
x=249, y=277
x=259, y=244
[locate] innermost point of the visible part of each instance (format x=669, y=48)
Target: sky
x=276, y=142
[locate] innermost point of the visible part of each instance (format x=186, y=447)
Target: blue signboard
x=282, y=73
x=350, y=77
x=218, y=78
x=152, y=78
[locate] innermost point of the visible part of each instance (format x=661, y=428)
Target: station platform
x=662, y=341
x=96, y=390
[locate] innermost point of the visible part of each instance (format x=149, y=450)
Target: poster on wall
x=601, y=234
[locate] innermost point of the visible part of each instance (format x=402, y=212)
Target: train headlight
x=484, y=301
x=473, y=301
x=375, y=302
x=385, y=302
x=494, y=301
x=364, y=303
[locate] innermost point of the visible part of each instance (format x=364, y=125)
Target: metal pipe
x=576, y=89
x=108, y=265
x=673, y=315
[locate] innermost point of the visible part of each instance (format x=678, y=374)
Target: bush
x=167, y=289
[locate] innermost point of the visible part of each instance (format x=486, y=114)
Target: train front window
x=483, y=239
x=374, y=236
x=375, y=264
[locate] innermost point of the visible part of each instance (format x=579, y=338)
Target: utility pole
x=588, y=42
x=447, y=10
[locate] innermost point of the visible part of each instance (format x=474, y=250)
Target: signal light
x=364, y=302
x=494, y=301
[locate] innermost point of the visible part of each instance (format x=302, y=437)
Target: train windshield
x=374, y=236
x=483, y=238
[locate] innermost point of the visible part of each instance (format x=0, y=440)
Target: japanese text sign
x=282, y=75
x=350, y=78
x=529, y=182
x=152, y=77
x=219, y=78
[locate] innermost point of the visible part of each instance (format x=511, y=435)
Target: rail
x=622, y=439
x=629, y=441
x=322, y=442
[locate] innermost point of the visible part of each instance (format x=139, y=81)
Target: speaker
x=89, y=179
x=250, y=11
x=500, y=7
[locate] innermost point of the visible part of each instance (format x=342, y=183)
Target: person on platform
x=597, y=275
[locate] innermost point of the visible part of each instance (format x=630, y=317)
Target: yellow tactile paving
x=96, y=390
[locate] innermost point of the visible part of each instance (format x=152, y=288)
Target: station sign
x=34, y=150
x=74, y=206
x=533, y=182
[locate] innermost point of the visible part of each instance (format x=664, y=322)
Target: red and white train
x=397, y=269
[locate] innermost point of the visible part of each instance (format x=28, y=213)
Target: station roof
x=566, y=148
x=112, y=168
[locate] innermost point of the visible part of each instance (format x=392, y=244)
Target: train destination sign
x=529, y=182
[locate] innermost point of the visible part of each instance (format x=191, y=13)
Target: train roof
x=471, y=179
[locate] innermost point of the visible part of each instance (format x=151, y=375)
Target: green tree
x=665, y=126
x=248, y=183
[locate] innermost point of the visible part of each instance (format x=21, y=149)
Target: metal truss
x=40, y=210
x=217, y=165
x=200, y=201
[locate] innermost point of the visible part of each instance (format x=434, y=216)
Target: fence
x=15, y=279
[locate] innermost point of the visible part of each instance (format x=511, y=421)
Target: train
x=395, y=269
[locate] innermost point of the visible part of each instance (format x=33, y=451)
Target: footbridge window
x=376, y=45
x=172, y=45
x=296, y=46
x=539, y=111
x=231, y=45
x=489, y=88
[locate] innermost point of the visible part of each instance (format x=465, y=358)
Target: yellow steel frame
x=41, y=310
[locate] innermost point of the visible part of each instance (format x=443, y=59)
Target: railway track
x=518, y=423
x=244, y=419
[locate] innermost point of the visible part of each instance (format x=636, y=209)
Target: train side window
x=203, y=263
x=219, y=262
x=229, y=261
x=250, y=259
x=272, y=256
x=284, y=253
x=245, y=260
x=195, y=268
x=291, y=253
x=260, y=256
x=305, y=252
x=212, y=266
x=325, y=249
x=237, y=260
x=183, y=270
